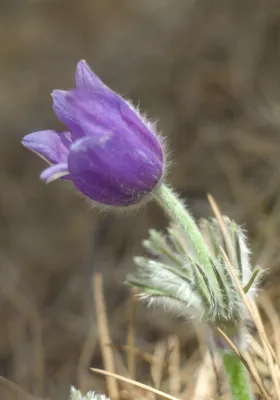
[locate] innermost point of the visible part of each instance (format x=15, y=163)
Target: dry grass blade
x=274, y=319
x=260, y=363
x=86, y=355
x=188, y=374
x=253, y=368
x=104, y=337
x=122, y=369
x=261, y=330
x=135, y=383
x=222, y=225
x=174, y=365
x=250, y=306
x=269, y=352
x=158, y=364
x=144, y=355
x=131, y=336
x=242, y=358
x=256, y=348
x=205, y=385
x=252, y=310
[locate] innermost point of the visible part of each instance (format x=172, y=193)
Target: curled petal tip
x=50, y=145
x=54, y=172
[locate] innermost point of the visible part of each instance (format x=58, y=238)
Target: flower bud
x=110, y=152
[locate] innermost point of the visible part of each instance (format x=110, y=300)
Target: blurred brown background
x=209, y=71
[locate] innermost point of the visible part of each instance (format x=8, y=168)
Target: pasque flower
x=110, y=153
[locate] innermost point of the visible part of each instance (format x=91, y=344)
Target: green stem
x=236, y=372
x=177, y=211
x=237, y=376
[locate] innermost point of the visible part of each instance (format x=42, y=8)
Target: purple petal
x=55, y=172
x=52, y=146
x=134, y=122
x=100, y=111
x=65, y=113
x=112, y=170
x=86, y=78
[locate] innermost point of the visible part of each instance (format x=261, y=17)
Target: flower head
x=109, y=152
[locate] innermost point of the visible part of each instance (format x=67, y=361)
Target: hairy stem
x=237, y=377
x=176, y=211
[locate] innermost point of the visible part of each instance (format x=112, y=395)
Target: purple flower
x=110, y=153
